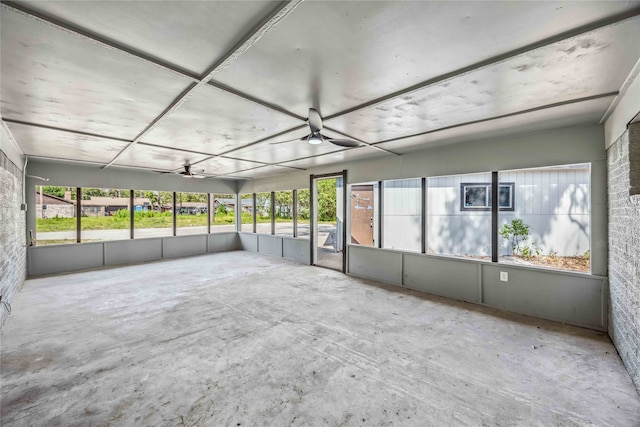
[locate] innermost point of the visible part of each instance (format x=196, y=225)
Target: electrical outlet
x=504, y=276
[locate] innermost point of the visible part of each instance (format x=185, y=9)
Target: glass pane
x=304, y=203
x=476, y=196
x=364, y=214
x=284, y=213
x=452, y=228
x=330, y=222
x=263, y=213
x=153, y=219
x=105, y=214
x=223, y=213
x=403, y=214
x=247, y=212
x=550, y=221
x=191, y=213
x=55, y=215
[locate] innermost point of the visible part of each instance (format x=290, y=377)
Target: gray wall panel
x=223, y=242
x=131, y=251
x=448, y=278
x=571, y=298
x=296, y=250
x=270, y=245
x=248, y=242
x=62, y=258
x=377, y=264
x=174, y=247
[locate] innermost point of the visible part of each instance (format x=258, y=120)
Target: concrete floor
x=240, y=339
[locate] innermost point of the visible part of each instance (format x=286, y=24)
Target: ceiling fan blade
x=344, y=142
x=315, y=121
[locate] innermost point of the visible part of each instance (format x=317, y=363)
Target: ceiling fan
x=188, y=172
x=315, y=137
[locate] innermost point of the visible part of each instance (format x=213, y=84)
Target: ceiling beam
x=503, y=116
x=249, y=40
x=57, y=129
x=494, y=60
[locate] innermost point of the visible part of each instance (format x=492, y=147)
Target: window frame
x=487, y=206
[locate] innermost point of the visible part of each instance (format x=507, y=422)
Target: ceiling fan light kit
x=314, y=139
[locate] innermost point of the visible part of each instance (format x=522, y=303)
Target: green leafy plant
x=517, y=233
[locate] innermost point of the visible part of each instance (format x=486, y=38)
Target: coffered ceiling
x=227, y=85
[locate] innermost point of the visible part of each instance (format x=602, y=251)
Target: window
x=364, y=214
x=247, y=212
x=550, y=226
x=263, y=213
x=477, y=196
x=455, y=231
x=402, y=214
x=152, y=216
x=304, y=204
x=284, y=213
x=223, y=213
x=106, y=214
x=55, y=215
x=191, y=213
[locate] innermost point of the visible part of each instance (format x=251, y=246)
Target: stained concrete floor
x=240, y=339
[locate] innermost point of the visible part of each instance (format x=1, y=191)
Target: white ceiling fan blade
x=349, y=143
x=315, y=121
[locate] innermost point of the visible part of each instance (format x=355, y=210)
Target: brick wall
x=12, y=233
x=623, y=157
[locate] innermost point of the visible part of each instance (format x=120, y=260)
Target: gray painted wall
x=574, y=298
x=249, y=242
x=451, y=278
x=295, y=249
x=181, y=246
x=12, y=223
x=624, y=250
x=382, y=265
x=270, y=245
x=223, y=242
x=122, y=252
x=52, y=259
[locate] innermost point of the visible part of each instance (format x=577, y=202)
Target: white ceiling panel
x=41, y=142
x=261, y=172
x=214, y=121
x=191, y=36
x=567, y=70
x=287, y=147
x=225, y=166
x=336, y=55
x=337, y=157
x=52, y=77
x=587, y=112
x=157, y=158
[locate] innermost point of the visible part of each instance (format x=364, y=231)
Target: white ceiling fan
x=315, y=137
